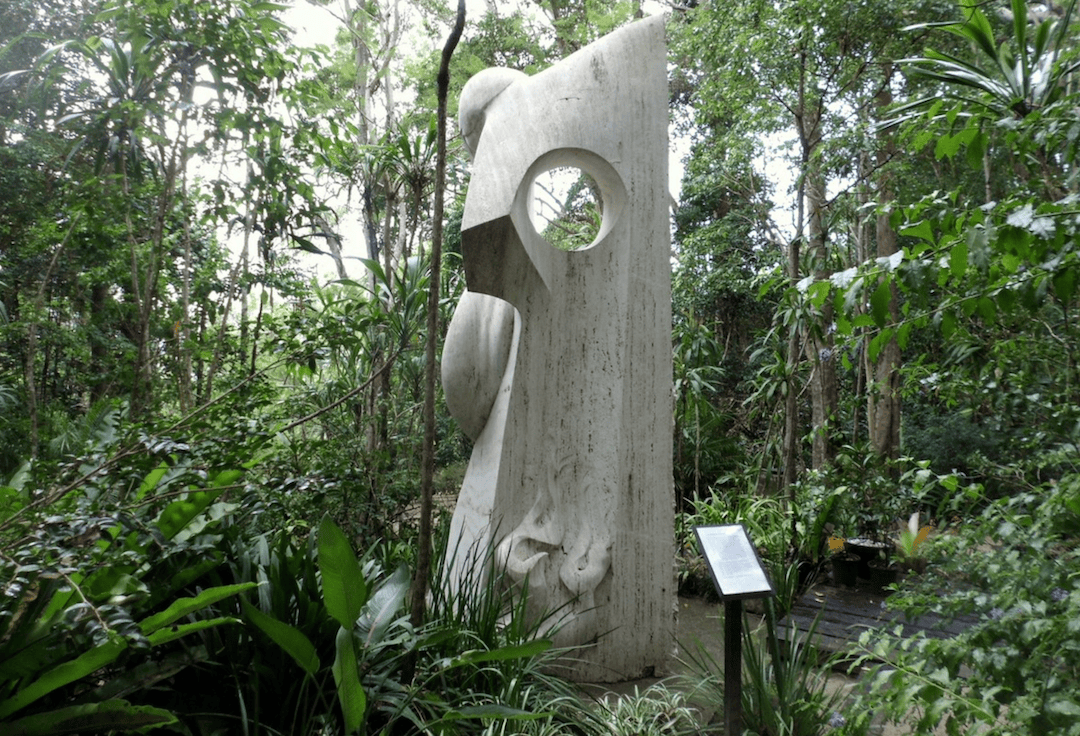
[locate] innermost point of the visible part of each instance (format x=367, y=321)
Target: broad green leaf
x=151, y=480
x=967, y=135
x=978, y=30
x=1006, y=300
x=1042, y=36
x=987, y=308
x=288, y=637
x=184, y=606
x=879, y=342
x=947, y=146
x=495, y=711
x=518, y=651
x=1062, y=706
x=11, y=500
x=1021, y=217
x=1065, y=285
x=344, y=587
x=976, y=150
x=920, y=230
x=922, y=138
x=179, y=514
x=381, y=608
x=105, y=717
x=903, y=333
x=306, y=245
x=111, y=581
x=193, y=572
x=818, y=292
x=373, y=265
x=958, y=259
x=1020, y=23
x=64, y=674
x=347, y=678
x=227, y=477
x=879, y=303
x=171, y=633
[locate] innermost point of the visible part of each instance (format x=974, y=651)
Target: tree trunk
x=824, y=395
x=791, y=404
x=358, y=28
x=423, y=557
x=31, y=385
x=884, y=394
x=183, y=334
x=333, y=242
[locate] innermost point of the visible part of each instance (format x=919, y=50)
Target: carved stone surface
x=558, y=364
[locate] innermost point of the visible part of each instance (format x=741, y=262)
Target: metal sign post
x=738, y=574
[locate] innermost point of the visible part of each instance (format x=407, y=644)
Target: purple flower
x=1058, y=595
x=836, y=720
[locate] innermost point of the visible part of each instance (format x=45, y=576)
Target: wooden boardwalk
x=843, y=614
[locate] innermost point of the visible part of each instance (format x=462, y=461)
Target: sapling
x=911, y=537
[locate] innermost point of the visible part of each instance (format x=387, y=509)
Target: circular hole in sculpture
x=566, y=207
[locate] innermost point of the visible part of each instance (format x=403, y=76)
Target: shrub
x=784, y=684
x=1013, y=568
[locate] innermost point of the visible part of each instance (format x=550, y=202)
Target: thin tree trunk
x=333, y=242
x=423, y=557
x=184, y=333
x=264, y=296
x=791, y=408
x=824, y=394
x=357, y=18
x=245, y=279
x=884, y=393
x=200, y=362
x=31, y=384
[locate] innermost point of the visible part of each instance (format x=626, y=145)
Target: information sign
x=736, y=568
x=737, y=573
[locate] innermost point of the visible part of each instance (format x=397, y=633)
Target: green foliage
x=354, y=367
x=784, y=683
x=767, y=523
x=658, y=711
x=950, y=441
x=89, y=615
x=1009, y=81
x=704, y=448
x=297, y=669
x=1010, y=571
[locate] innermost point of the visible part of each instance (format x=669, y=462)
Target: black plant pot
x=845, y=567
x=866, y=550
x=883, y=574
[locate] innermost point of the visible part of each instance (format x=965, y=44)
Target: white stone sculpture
x=558, y=364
